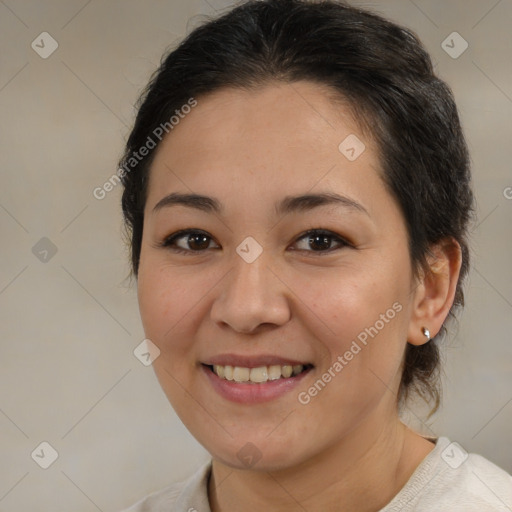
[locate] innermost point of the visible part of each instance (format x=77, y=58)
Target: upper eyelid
x=187, y=232
x=313, y=231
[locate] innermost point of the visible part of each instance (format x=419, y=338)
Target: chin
x=255, y=461
x=255, y=456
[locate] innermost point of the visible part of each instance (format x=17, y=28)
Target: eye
x=321, y=241
x=189, y=241
x=192, y=240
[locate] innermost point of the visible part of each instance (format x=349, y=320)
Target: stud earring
x=426, y=332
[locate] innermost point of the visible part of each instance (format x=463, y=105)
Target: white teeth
x=228, y=372
x=257, y=375
x=274, y=372
x=240, y=374
x=286, y=371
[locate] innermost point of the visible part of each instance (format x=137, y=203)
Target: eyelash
x=169, y=242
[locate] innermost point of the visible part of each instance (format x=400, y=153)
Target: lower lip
x=251, y=393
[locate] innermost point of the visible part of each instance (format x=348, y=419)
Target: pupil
x=193, y=239
x=323, y=239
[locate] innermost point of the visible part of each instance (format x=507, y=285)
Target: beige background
x=68, y=375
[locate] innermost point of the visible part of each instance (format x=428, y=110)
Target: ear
x=435, y=291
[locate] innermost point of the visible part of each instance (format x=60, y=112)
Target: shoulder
x=190, y=494
x=451, y=479
x=159, y=501
x=483, y=482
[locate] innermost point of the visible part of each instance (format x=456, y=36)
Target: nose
x=251, y=296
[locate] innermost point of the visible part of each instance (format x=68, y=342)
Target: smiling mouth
x=258, y=375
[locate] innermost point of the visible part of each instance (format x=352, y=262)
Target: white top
x=448, y=479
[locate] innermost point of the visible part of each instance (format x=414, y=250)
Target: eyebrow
x=287, y=205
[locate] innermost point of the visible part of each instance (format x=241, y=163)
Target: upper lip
x=251, y=361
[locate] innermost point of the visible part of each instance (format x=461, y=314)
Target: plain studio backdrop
x=70, y=72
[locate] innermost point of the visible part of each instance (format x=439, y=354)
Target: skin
x=346, y=449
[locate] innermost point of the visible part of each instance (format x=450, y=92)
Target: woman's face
x=252, y=290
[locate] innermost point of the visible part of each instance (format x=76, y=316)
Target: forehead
x=305, y=109
x=278, y=124
x=278, y=140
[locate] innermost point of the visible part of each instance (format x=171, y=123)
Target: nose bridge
x=250, y=274
x=251, y=294
x=250, y=261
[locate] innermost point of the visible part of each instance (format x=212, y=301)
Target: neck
x=362, y=471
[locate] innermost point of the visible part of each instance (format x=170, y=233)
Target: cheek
x=168, y=302
x=364, y=314
x=352, y=299
x=171, y=298
x=162, y=299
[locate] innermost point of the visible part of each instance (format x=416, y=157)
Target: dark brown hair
x=384, y=73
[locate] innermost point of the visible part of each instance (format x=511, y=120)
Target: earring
x=426, y=332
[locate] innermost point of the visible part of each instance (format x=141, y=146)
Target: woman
x=297, y=198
